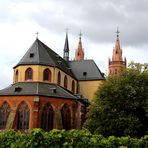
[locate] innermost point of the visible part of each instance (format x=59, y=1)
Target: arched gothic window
x=73, y=86
x=23, y=116
x=29, y=74
x=65, y=82
x=16, y=76
x=4, y=113
x=66, y=117
x=47, y=117
x=59, y=78
x=47, y=75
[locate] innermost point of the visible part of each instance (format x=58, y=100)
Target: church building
x=50, y=91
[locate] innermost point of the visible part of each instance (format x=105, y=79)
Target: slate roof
x=86, y=70
x=41, y=54
x=37, y=88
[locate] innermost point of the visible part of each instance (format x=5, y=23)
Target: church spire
x=117, y=63
x=117, y=51
x=79, y=54
x=66, y=48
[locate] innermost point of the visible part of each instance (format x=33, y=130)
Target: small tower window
x=29, y=74
x=47, y=75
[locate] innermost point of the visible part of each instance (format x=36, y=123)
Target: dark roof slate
x=41, y=54
x=36, y=88
x=86, y=70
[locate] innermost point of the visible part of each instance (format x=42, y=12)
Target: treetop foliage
x=120, y=106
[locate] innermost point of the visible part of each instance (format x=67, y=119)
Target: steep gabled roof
x=40, y=54
x=86, y=70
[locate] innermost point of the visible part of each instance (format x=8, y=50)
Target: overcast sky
x=97, y=20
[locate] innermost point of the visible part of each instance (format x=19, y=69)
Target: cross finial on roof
x=80, y=34
x=67, y=30
x=37, y=34
x=117, y=32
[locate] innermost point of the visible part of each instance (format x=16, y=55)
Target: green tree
x=120, y=105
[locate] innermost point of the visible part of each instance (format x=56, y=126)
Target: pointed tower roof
x=79, y=54
x=117, y=51
x=66, y=48
x=40, y=54
x=66, y=45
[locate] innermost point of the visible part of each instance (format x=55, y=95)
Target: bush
x=37, y=138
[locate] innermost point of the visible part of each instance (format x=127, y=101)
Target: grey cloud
x=97, y=19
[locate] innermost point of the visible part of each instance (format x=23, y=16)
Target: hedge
x=37, y=138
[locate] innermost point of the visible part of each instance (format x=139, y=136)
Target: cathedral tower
x=117, y=63
x=79, y=54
